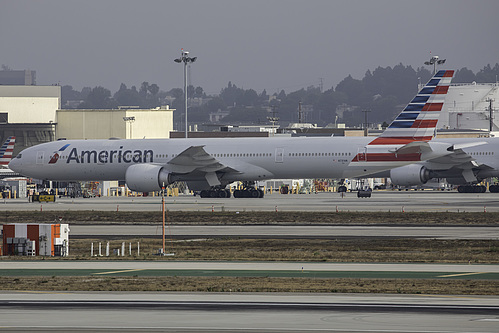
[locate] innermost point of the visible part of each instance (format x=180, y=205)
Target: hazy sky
x=258, y=44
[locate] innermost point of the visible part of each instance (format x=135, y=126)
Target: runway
x=286, y=231
x=394, y=201
x=247, y=269
x=240, y=312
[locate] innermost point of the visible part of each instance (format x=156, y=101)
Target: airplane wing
x=196, y=160
x=458, y=159
x=457, y=156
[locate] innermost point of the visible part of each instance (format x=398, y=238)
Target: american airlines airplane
x=470, y=162
x=209, y=165
x=6, y=152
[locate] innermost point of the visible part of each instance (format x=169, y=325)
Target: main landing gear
x=215, y=193
x=248, y=191
x=472, y=189
x=494, y=188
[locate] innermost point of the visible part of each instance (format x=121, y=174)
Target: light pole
x=273, y=119
x=435, y=61
x=129, y=120
x=184, y=57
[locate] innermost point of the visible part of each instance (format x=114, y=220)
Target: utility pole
x=366, y=126
x=491, y=114
x=300, y=114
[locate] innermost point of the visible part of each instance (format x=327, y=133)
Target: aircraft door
x=279, y=155
x=40, y=157
x=362, y=154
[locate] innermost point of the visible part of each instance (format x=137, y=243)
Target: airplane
x=6, y=153
x=7, y=150
x=209, y=165
x=471, y=161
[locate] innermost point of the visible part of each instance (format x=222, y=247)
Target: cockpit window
x=19, y=156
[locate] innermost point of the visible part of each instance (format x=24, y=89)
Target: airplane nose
x=15, y=164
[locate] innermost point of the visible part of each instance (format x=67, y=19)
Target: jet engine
x=146, y=177
x=410, y=175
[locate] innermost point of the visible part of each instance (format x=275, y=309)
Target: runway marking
x=114, y=272
x=40, y=292
x=447, y=296
x=463, y=274
x=216, y=329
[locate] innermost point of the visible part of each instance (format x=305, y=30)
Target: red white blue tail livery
x=408, y=136
x=418, y=121
x=6, y=151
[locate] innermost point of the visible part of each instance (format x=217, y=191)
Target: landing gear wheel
x=494, y=188
x=254, y=194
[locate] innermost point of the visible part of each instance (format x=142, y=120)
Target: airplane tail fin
x=6, y=151
x=407, y=139
x=418, y=121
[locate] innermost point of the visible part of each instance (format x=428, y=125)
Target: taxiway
x=381, y=201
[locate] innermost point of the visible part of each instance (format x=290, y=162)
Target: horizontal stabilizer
x=414, y=147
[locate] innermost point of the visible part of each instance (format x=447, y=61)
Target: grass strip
x=252, y=284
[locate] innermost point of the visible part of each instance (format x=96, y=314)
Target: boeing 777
x=6, y=152
x=209, y=165
x=469, y=163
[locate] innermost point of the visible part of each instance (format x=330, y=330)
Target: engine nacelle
x=410, y=175
x=146, y=177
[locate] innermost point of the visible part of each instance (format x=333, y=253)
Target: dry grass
x=252, y=284
x=339, y=250
x=176, y=217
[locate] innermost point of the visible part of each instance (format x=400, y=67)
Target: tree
x=153, y=89
x=327, y=104
x=464, y=75
x=243, y=115
x=127, y=97
x=69, y=94
x=198, y=92
x=488, y=74
x=143, y=90
x=231, y=93
x=98, y=98
x=247, y=98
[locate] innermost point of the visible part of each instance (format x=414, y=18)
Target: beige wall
x=105, y=124
x=30, y=104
